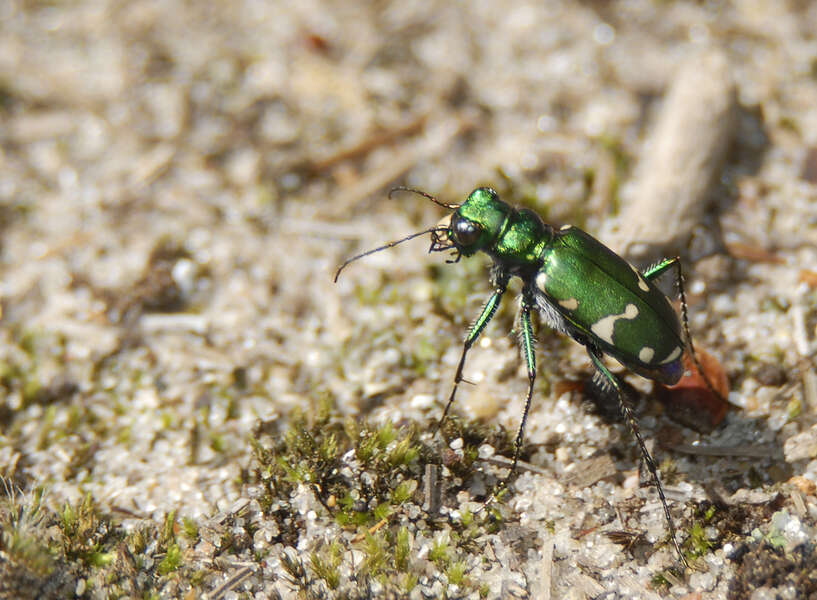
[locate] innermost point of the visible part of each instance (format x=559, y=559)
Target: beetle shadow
x=741, y=453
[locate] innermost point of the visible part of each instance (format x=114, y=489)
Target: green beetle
x=579, y=286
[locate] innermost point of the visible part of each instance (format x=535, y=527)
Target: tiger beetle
x=580, y=287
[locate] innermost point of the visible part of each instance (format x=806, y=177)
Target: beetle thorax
x=522, y=241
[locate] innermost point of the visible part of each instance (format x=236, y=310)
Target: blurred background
x=179, y=181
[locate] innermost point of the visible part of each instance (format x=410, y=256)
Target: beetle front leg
x=632, y=423
x=482, y=321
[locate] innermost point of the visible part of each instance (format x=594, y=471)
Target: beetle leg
x=632, y=423
x=661, y=267
x=482, y=321
x=527, y=341
x=656, y=271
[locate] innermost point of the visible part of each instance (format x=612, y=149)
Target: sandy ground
x=179, y=180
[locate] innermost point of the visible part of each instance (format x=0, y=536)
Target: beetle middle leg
x=527, y=342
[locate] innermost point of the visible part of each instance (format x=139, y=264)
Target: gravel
x=179, y=181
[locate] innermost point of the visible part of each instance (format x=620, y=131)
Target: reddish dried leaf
x=690, y=401
x=753, y=253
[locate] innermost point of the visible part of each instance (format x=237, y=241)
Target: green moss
x=190, y=529
x=439, y=552
x=384, y=435
x=169, y=528
x=408, y=581
x=456, y=573
x=171, y=561
x=89, y=546
x=697, y=544
x=31, y=389
x=793, y=409
x=100, y=559
x=403, y=453
x=669, y=471
x=403, y=491
x=474, y=434
x=123, y=436
x=138, y=541
x=326, y=564
x=382, y=511
x=217, y=443
x=86, y=533
x=363, y=476
x=197, y=577
x=376, y=554
x=46, y=427
x=28, y=342
x=22, y=528
x=295, y=569
x=168, y=420
x=9, y=374
x=659, y=581
x=401, y=549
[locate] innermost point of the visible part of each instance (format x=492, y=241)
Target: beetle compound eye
x=465, y=232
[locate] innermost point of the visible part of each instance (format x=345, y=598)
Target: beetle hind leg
x=632, y=423
x=659, y=269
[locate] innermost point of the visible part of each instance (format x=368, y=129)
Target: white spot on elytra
x=604, y=327
x=646, y=354
x=672, y=355
x=541, y=280
x=565, y=227
x=569, y=304
x=642, y=285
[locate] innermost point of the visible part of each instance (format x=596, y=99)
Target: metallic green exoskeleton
x=579, y=286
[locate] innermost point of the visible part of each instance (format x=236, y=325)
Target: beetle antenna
x=401, y=188
x=385, y=247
